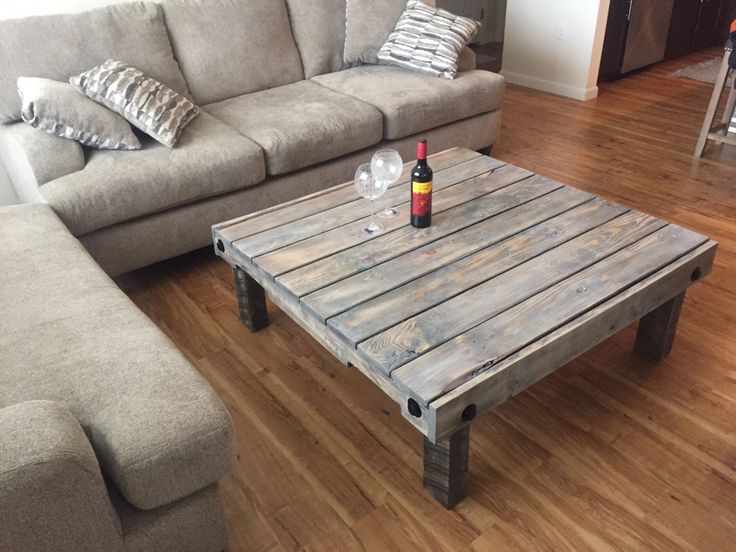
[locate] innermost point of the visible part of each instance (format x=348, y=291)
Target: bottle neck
x=422, y=153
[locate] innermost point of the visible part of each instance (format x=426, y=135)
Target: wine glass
x=372, y=189
x=387, y=166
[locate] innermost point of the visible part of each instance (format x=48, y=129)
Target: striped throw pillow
x=144, y=102
x=428, y=39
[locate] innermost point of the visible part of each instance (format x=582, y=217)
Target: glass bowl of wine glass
x=386, y=167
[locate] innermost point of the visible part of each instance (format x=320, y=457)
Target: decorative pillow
x=144, y=102
x=368, y=24
x=57, y=108
x=428, y=39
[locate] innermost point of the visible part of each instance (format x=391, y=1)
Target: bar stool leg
x=711, y=113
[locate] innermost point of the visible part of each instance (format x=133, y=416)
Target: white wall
x=555, y=46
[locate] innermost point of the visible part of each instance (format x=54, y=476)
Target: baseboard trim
x=558, y=88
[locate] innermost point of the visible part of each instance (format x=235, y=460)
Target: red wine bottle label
x=421, y=198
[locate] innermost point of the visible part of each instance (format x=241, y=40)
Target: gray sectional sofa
x=283, y=116
x=109, y=439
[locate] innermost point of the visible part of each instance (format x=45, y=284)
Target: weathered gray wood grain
x=318, y=202
x=251, y=300
x=394, y=244
x=420, y=293
x=351, y=235
x=492, y=387
x=456, y=361
x=656, y=333
x=446, y=468
x=329, y=218
x=422, y=333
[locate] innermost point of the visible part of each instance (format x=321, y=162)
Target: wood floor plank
x=296, y=209
x=454, y=362
x=415, y=293
x=350, y=235
x=511, y=284
x=324, y=220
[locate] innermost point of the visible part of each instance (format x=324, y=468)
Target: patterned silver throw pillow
x=57, y=108
x=144, y=102
x=428, y=39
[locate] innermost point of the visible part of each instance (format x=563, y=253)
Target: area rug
x=706, y=71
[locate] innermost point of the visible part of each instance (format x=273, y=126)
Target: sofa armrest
x=32, y=158
x=466, y=61
x=52, y=495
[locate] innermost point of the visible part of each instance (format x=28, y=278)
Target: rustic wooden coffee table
x=517, y=276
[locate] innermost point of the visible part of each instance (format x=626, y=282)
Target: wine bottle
x=421, y=189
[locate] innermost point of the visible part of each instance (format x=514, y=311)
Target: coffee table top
x=517, y=275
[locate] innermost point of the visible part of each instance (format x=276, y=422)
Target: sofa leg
x=251, y=301
x=486, y=151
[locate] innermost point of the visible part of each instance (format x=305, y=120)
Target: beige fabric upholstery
x=193, y=524
x=368, y=26
x=52, y=496
x=231, y=47
x=466, y=61
x=59, y=46
x=321, y=52
x=32, y=158
x=413, y=102
x=301, y=124
x=115, y=186
x=68, y=334
x=128, y=246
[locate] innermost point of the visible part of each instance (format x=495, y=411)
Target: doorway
x=488, y=45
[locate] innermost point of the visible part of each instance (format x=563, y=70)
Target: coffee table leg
x=446, y=467
x=251, y=300
x=657, y=329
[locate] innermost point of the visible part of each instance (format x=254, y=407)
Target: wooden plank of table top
x=297, y=230
x=359, y=288
x=433, y=327
x=317, y=202
x=456, y=361
x=349, y=235
x=391, y=245
x=492, y=387
x=422, y=293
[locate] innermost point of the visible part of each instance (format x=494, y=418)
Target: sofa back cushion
x=227, y=48
x=319, y=31
x=59, y=46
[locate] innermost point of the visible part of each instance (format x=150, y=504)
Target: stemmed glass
x=386, y=167
x=372, y=189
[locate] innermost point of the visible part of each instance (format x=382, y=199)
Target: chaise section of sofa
x=283, y=116
x=117, y=399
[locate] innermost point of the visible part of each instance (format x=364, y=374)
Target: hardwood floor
x=611, y=452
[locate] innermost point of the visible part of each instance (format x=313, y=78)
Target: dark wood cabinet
x=698, y=24
x=682, y=28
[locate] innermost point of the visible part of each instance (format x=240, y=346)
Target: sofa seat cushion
x=301, y=124
x=69, y=334
x=414, y=102
x=117, y=186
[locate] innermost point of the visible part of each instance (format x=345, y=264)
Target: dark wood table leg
x=446, y=467
x=657, y=329
x=251, y=300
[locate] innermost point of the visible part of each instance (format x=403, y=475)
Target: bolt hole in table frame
x=517, y=276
